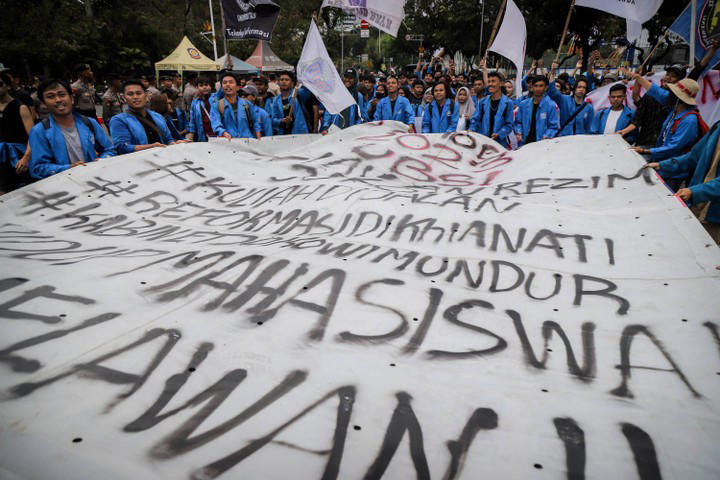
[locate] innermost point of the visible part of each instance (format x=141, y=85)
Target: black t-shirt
x=308, y=105
x=286, y=105
x=151, y=133
x=392, y=107
x=12, y=129
x=532, y=136
x=23, y=96
x=494, y=105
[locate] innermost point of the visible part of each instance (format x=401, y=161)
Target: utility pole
x=693, y=12
x=225, y=46
x=482, y=23
x=212, y=24
x=379, y=54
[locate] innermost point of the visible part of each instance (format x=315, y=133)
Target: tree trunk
x=88, y=8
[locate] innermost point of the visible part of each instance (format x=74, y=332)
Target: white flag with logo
x=636, y=12
x=316, y=72
x=385, y=15
x=510, y=40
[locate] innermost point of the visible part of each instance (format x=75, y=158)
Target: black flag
x=249, y=19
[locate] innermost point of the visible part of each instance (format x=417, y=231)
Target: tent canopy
x=265, y=60
x=237, y=64
x=187, y=57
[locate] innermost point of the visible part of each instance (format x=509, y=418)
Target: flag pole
x=565, y=29
x=495, y=28
x=693, y=12
x=225, y=46
x=662, y=39
x=482, y=23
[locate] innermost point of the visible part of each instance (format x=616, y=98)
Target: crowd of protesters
x=52, y=125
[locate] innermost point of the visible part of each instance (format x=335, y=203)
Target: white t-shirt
x=612, y=119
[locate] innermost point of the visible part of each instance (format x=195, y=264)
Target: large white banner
x=636, y=12
x=386, y=15
x=369, y=304
x=510, y=40
x=316, y=71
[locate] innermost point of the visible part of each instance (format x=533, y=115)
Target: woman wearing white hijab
x=426, y=100
x=467, y=108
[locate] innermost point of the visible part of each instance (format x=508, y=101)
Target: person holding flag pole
x=317, y=73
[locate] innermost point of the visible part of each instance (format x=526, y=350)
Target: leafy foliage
x=128, y=36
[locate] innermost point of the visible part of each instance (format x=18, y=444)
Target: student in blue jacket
x=494, y=115
x=140, y=128
x=576, y=115
x=703, y=190
x=232, y=116
x=537, y=117
x=65, y=139
x=394, y=106
x=347, y=118
x=287, y=109
x=616, y=117
x=683, y=125
x=250, y=94
x=354, y=114
x=441, y=116
x=200, y=124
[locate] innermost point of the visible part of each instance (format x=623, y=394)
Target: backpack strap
x=701, y=123
x=149, y=122
x=87, y=123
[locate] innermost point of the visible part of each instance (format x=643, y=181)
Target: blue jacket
x=600, y=120
x=436, y=120
x=403, y=110
x=195, y=125
x=670, y=144
x=174, y=132
x=49, y=150
x=263, y=118
x=546, y=122
x=582, y=123
x=127, y=131
x=11, y=153
x=234, y=119
x=181, y=122
x=504, y=116
x=336, y=119
x=276, y=112
x=696, y=164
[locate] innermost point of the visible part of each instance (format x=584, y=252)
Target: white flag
x=385, y=15
x=316, y=72
x=510, y=41
x=636, y=12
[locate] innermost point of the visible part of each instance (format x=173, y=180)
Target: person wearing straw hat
x=683, y=126
x=703, y=188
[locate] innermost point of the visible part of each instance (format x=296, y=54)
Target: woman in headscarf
x=467, y=108
x=427, y=98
